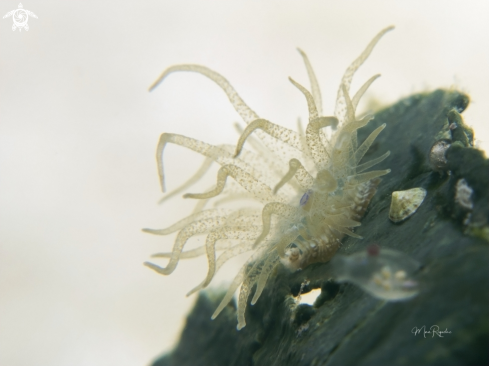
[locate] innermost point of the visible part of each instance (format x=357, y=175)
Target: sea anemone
x=316, y=199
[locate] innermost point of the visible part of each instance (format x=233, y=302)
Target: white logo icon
x=20, y=17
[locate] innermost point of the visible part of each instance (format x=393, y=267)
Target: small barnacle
x=386, y=275
x=321, y=187
x=405, y=203
x=438, y=160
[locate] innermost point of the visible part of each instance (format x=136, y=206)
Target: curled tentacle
x=243, y=233
x=322, y=122
x=256, y=144
x=260, y=190
x=313, y=139
x=241, y=107
x=280, y=209
x=297, y=170
x=197, y=227
x=280, y=133
x=192, y=180
x=240, y=277
x=311, y=105
x=215, y=153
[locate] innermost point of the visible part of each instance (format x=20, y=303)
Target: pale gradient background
x=78, y=132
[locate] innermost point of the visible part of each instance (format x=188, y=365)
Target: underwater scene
x=232, y=183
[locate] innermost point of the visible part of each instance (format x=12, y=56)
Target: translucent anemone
x=313, y=187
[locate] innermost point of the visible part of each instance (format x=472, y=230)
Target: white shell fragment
x=463, y=194
x=386, y=274
x=405, y=203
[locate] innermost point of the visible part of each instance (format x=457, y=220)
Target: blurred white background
x=78, y=132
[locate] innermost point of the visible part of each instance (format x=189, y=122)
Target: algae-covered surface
x=447, y=323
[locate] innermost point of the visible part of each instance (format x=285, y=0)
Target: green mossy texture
x=347, y=326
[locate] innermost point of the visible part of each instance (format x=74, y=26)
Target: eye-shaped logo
x=20, y=17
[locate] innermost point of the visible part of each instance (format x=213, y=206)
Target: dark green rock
x=346, y=326
x=201, y=335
